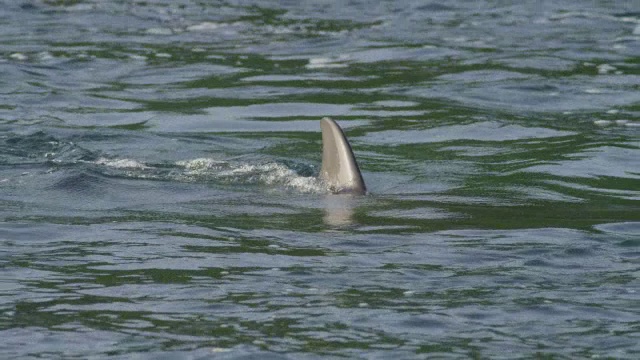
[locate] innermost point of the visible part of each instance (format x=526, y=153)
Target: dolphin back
x=339, y=167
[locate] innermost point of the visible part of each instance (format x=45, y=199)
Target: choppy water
x=158, y=199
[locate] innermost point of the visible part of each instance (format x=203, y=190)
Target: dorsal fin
x=339, y=167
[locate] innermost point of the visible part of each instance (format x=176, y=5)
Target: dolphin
x=339, y=167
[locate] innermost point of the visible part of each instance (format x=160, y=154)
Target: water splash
x=121, y=163
x=218, y=171
x=268, y=173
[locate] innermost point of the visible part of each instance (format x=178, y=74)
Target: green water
x=158, y=196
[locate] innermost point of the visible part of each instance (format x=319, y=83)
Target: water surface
x=158, y=194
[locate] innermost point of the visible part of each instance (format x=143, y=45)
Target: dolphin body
x=339, y=167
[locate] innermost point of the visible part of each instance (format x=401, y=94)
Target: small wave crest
x=269, y=173
x=212, y=170
x=121, y=163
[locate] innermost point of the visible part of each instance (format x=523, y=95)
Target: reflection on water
x=338, y=209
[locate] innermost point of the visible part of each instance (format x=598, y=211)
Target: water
x=158, y=195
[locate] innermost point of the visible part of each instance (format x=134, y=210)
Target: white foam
x=205, y=26
x=18, y=56
x=45, y=56
x=265, y=173
x=274, y=174
x=605, y=69
x=121, y=163
x=200, y=165
x=602, y=122
x=325, y=63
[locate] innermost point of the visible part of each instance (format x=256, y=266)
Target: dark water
x=158, y=199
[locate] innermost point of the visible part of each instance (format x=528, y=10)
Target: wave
x=218, y=171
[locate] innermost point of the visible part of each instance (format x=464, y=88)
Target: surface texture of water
x=158, y=198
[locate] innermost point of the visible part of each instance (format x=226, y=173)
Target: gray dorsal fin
x=339, y=167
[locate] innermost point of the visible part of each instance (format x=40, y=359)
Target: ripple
x=598, y=162
x=157, y=198
x=623, y=228
x=480, y=131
